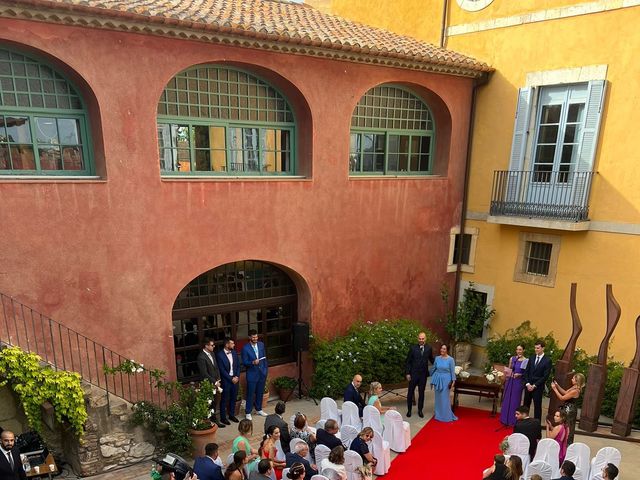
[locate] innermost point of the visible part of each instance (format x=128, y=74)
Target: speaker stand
x=301, y=383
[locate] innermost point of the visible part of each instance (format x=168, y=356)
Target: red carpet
x=457, y=450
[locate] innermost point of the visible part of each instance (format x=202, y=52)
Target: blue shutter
x=519, y=143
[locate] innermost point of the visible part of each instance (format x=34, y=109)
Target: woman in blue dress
x=443, y=376
x=512, y=396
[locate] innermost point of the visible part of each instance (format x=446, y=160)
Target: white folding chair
x=580, y=455
x=371, y=418
x=519, y=445
x=380, y=450
x=347, y=434
x=396, y=431
x=549, y=451
x=322, y=452
x=329, y=409
x=541, y=468
x=317, y=476
x=352, y=460
x=351, y=415
x=605, y=455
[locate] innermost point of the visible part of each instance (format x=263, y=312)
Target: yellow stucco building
x=554, y=184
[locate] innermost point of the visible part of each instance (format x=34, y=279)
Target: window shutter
x=588, y=145
x=519, y=143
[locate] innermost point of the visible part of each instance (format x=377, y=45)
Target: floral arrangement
x=504, y=445
x=461, y=372
x=494, y=376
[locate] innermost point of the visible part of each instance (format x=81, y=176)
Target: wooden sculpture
x=594, y=393
x=629, y=392
x=564, y=366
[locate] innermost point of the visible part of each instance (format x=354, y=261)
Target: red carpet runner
x=458, y=450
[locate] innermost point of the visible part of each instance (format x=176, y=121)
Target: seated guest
x=352, y=394
x=263, y=472
x=268, y=450
x=359, y=444
x=535, y=476
x=609, y=472
x=327, y=436
x=276, y=419
x=375, y=389
x=529, y=427
x=559, y=431
x=303, y=431
x=235, y=470
x=296, y=472
x=301, y=450
x=241, y=442
x=498, y=471
x=335, y=462
x=206, y=468
x=514, y=466
x=567, y=469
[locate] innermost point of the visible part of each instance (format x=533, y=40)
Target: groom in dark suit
x=417, y=371
x=534, y=378
x=229, y=365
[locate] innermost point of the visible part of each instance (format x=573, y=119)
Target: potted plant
x=466, y=322
x=284, y=386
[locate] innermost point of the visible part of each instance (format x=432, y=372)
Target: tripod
x=301, y=383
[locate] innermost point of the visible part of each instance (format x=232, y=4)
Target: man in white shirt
x=229, y=365
x=534, y=378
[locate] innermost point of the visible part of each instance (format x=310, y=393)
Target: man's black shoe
x=420, y=414
x=408, y=413
x=220, y=424
x=225, y=421
x=233, y=419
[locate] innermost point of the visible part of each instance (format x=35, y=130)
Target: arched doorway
x=229, y=301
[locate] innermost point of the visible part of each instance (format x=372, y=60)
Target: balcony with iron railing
x=546, y=199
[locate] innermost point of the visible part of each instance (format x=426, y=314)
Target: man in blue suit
x=229, y=366
x=254, y=359
x=206, y=467
x=534, y=378
x=351, y=393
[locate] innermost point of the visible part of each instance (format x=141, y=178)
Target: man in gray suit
x=209, y=371
x=277, y=420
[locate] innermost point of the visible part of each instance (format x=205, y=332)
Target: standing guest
x=359, y=445
x=443, y=377
x=335, y=462
x=327, y=436
x=534, y=378
x=567, y=469
x=529, y=427
x=277, y=420
x=569, y=397
x=235, y=470
x=209, y=371
x=254, y=358
x=417, y=371
x=241, y=442
x=512, y=395
x=229, y=366
x=263, y=472
x=206, y=467
x=301, y=450
x=268, y=449
x=10, y=464
x=301, y=430
x=375, y=389
x=609, y=472
x=498, y=471
x=559, y=431
x=352, y=393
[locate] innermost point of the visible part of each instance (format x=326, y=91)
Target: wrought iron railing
x=553, y=195
x=65, y=349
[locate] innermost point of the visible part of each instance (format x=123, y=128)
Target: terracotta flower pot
x=200, y=438
x=285, y=393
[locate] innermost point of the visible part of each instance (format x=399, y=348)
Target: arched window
x=392, y=133
x=229, y=301
x=218, y=120
x=43, y=121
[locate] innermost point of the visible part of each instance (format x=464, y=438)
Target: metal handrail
x=66, y=349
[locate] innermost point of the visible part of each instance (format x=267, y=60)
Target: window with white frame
x=462, y=248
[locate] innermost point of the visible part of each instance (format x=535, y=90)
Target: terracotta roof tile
x=278, y=21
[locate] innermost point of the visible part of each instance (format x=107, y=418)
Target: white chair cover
x=317, y=476
x=396, y=431
x=605, y=455
x=229, y=459
x=580, y=455
x=347, y=434
x=519, y=445
x=371, y=418
x=284, y=472
x=280, y=455
x=322, y=452
x=380, y=450
x=541, y=468
x=329, y=409
x=352, y=460
x=332, y=474
x=320, y=423
x=549, y=451
x=351, y=415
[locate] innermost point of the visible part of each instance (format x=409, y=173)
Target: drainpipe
x=443, y=27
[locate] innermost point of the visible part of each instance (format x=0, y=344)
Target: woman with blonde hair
x=569, y=397
x=375, y=389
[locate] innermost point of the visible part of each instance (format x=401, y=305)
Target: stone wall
x=11, y=414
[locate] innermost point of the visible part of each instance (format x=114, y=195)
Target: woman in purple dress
x=512, y=396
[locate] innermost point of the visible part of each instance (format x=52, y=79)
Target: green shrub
x=500, y=348
x=377, y=351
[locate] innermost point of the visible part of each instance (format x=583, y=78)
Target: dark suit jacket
x=285, y=436
x=6, y=472
x=207, y=470
x=530, y=428
x=308, y=471
x=537, y=375
x=327, y=439
x=352, y=395
x=564, y=477
x=417, y=364
x=223, y=365
x=208, y=370
x=254, y=372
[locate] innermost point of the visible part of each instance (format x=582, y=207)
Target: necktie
x=421, y=350
x=255, y=349
x=537, y=361
x=10, y=458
